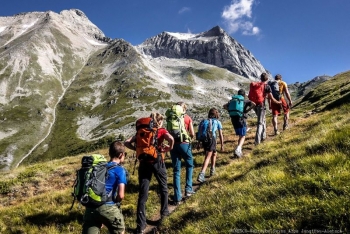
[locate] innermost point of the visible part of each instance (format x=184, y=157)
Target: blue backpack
x=205, y=130
x=236, y=105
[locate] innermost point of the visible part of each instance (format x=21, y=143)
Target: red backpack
x=257, y=92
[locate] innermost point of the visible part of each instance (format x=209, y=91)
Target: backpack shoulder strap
x=112, y=166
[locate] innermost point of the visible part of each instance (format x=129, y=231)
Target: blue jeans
x=181, y=151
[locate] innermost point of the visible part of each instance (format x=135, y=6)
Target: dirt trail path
x=230, y=141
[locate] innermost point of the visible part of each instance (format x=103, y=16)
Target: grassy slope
x=297, y=181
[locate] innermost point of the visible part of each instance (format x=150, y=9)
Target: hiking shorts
x=210, y=146
x=276, y=108
x=240, y=125
x=109, y=215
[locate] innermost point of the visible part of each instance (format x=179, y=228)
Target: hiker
x=149, y=166
x=110, y=214
x=258, y=92
x=210, y=146
x=183, y=150
x=276, y=108
x=238, y=114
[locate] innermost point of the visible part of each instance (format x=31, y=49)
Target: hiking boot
x=176, y=203
x=189, y=193
x=140, y=231
x=238, y=153
x=212, y=171
x=201, y=177
x=277, y=132
x=285, y=127
x=161, y=220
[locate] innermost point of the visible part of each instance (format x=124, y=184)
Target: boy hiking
x=210, y=145
x=151, y=158
x=276, y=108
x=238, y=108
x=110, y=214
x=183, y=150
x=258, y=92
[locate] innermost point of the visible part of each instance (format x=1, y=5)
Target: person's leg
x=161, y=175
x=276, y=111
x=260, y=124
x=208, y=155
x=275, y=124
x=112, y=218
x=145, y=175
x=241, y=142
x=176, y=162
x=213, y=157
x=286, y=114
x=201, y=175
x=188, y=158
x=92, y=223
x=263, y=121
x=286, y=120
x=213, y=162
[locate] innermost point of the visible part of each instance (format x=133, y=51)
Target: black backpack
x=275, y=89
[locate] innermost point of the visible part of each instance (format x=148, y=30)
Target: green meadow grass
x=296, y=182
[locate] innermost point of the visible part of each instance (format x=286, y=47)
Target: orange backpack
x=257, y=92
x=146, y=140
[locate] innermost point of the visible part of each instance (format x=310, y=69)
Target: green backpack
x=89, y=186
x=175, y=123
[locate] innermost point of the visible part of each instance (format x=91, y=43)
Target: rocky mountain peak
x=213, y=47
x=217, y=31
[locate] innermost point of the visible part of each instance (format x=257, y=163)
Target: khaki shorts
x=109, y=215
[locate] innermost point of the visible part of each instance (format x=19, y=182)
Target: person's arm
x=170, y=140
x=225, y=106
x=286, y=91
x=270, y=97
x=121, y=192
x=191, y=130
x=128, y=143
x=251, y=106
x=221, y=139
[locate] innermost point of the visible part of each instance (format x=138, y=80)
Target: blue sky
x=299, y=39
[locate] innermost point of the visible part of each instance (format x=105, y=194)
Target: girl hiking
x=210, y=146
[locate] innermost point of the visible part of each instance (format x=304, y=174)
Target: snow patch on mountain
x=92, y=42
x=156, y=69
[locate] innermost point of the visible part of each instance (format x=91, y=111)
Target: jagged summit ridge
x=213, y=47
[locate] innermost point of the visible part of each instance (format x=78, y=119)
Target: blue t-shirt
x=216, y=125
x=116, y=176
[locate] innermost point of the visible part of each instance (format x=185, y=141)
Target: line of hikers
x=152, y=141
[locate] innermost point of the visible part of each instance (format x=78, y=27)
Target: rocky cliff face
x=214, y=47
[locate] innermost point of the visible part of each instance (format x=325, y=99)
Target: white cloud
x=237, y=17
x=184, y=9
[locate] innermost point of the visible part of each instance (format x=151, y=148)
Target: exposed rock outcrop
x=213, y=47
